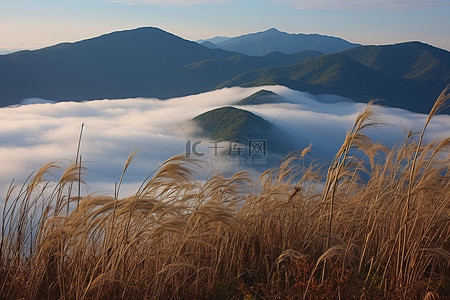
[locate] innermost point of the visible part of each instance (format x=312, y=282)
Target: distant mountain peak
x=214, y=40
x=273, y=29
x=272, y=39
x=209, y=45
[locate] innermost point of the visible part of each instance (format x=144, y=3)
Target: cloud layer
x=32, y=135
x=388, y=5
x=170, y=2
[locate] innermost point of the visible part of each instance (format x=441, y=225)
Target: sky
x=31, y=24
x=35, y=134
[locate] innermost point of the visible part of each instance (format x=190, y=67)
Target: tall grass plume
x=374, y=224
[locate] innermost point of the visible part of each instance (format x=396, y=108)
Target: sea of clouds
x=39, y=131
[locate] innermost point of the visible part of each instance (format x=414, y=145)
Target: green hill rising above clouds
x=261, y=97
x=231, y=124
x=408, y=75
x=234, y=124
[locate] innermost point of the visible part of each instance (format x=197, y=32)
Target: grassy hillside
x=374, y=225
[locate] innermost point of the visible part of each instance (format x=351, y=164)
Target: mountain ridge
x=115, y=65
x=347, y=74
x=149, y=62
x=264, y=42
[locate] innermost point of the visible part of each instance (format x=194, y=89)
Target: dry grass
x=377, y=226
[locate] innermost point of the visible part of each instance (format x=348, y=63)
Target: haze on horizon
x=27, y=24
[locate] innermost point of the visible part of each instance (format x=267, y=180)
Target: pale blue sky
x=30, y=24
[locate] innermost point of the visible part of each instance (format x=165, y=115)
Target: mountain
x=149, y=62
x=407, y=75
x=412, y=60
x=261, y=97
x=209, y=45
x=214, y=40
x=116, y=65
x=238, y=125
x=261, y=43
x=206, y=74
x=232, y=124
x=144, y=62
